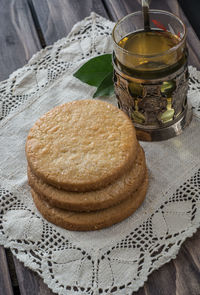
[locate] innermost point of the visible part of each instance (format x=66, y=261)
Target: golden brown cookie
x=83, y=221
x=94, y=200
x=82, y=145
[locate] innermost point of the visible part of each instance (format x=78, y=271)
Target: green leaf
x=95, y=70
x=106, y=87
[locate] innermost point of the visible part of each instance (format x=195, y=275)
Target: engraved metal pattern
x=125, y=99
x=179, y=96
x=151, y=103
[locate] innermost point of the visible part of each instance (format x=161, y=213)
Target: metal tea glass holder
x=157, y=106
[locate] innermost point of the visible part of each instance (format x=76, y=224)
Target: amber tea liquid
x=146, y=47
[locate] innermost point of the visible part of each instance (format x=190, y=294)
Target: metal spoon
x=145, y=9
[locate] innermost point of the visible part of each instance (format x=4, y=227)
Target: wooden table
x=26, y=27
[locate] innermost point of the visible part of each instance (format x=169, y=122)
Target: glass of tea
x=151, y=73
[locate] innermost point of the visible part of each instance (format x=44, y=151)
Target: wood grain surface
x=18, y=36
x=28, y=25
x=19, y=41
x=191, y=9
x=29, y=282
x=56, y=18
x=5, y=281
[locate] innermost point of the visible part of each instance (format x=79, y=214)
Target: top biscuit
x=82, y=145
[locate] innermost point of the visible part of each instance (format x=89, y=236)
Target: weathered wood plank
x=119, y=8
x=19, y=41
x=158, y=280
x=193, y=246
x=191, y=9
x=5, y=281
x=29, y=282
x=56, y=18
x=18, y=37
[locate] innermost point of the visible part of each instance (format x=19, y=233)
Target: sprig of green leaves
x=98, y=72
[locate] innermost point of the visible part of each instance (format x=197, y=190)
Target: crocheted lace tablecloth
x=118, y=259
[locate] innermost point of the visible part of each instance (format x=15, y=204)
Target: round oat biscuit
x=106, y=197
x=84, y=221
x=82, y=145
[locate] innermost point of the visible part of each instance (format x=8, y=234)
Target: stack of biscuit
x=86, y=168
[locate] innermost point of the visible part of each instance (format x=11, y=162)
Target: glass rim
x=154, y=55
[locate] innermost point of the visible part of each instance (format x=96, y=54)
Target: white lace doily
x=119, y=259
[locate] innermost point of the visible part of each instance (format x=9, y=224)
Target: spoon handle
x=145, y=9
